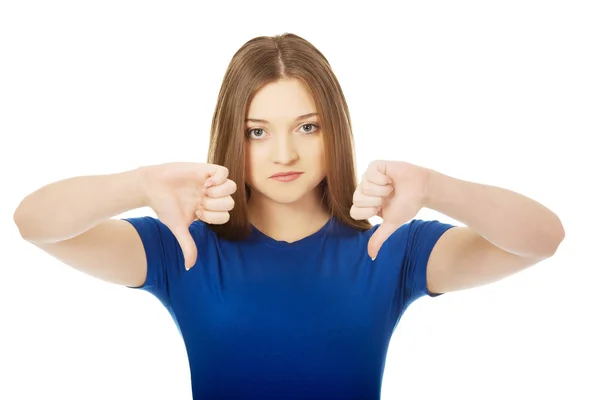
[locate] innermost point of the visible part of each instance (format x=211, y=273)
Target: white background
x=504, y=93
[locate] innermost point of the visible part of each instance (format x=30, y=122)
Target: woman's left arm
x=505, y=231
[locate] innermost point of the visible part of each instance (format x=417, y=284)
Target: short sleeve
x=163, y=256
x=413, y=243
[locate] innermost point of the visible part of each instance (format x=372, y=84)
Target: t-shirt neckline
x=300, y=243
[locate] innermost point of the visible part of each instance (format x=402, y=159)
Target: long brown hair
x=258, y=62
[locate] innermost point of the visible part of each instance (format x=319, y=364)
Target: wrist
x=433, y=183
x=134, y=182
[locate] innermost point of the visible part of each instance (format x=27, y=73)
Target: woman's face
x=283, y=134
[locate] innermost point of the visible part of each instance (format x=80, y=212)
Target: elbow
x=555, y=237
x=19, y=221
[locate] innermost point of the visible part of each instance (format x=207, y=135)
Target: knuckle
x=362, y=202
x=225, y=217
x=224, y=204
x=353, y=212
x=365, y=188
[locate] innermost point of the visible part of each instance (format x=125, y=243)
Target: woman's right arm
x=72, y=221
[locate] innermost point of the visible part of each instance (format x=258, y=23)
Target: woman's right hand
x=178, y=193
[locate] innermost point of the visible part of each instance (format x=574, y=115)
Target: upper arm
x=407, y=253
x=111, y=251
x=139, y=253
x=463, y=259
x=414, y=243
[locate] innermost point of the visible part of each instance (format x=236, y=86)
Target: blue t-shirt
x=268, y=319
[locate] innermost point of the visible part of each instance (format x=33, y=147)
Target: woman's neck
x=288, y=222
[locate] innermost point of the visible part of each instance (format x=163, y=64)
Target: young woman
x=264, y=255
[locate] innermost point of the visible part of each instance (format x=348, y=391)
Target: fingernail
x=208, y=183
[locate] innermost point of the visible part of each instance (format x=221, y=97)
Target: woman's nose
x=285, y=150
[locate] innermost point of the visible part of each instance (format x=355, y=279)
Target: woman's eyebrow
x=264, y=121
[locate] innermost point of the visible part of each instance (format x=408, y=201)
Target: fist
x=392, y=190
x=181, y=193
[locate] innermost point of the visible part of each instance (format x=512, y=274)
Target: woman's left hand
x=392, y=190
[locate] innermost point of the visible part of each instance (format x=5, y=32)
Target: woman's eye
x=251, y=131
x=309, y=125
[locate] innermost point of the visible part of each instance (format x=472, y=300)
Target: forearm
x=67, y=208
x=507, y=219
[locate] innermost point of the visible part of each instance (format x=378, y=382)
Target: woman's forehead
x=281, y=101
